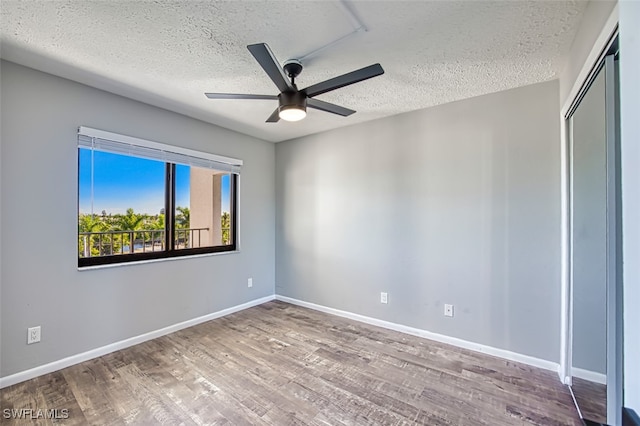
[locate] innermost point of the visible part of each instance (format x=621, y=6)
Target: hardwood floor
x=591, y=398
x=280, y=364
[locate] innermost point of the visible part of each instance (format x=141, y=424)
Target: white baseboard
x=477, y=347
x=94, y=353
x=589, y=375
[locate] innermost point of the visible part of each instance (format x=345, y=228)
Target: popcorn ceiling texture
x=169, y=53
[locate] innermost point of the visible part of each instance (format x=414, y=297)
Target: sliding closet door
x=589, y=253
x=594, y=246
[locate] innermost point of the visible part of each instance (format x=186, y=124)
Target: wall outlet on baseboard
x=250, y=282
x=448, y=310
x=383, y=298
x=33, y=335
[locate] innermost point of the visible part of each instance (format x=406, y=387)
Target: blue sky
x=121, y=182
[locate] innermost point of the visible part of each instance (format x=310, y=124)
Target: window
x=140, y=200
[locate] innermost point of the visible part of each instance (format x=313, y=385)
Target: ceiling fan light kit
x=292, y=113
x=293, y=103
x=293, y=106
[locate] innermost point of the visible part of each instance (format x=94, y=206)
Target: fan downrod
x=292, y=68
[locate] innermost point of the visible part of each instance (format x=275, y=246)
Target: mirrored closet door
x=594, y=188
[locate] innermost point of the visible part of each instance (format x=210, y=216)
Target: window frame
x=170, y=251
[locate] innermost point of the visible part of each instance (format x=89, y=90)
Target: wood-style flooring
x=591, y=398
x=280, y=364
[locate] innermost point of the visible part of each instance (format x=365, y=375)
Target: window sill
x=164, y=259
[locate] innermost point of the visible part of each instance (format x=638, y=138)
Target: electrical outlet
x=383, y=298
x=448, y=310
x=33, y=335
x=250, y=282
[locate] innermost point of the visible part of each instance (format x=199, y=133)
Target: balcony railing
x=109, y=243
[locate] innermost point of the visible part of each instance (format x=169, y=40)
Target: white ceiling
x=168, y=53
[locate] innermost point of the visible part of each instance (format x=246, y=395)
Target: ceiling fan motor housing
x=288, y=100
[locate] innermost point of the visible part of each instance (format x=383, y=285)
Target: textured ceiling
x=168, y=53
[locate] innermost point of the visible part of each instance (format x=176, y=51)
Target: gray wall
x=83, y=310
x=454, y=204
x=594, y=19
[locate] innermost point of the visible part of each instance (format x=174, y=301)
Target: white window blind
x=101, y=140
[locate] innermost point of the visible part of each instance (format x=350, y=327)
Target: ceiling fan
x=293, y=102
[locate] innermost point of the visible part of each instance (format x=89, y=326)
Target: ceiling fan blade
x=270, y=65
x=275, y=117
x=344, y=80
x=239, y=96
x=328, y=107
